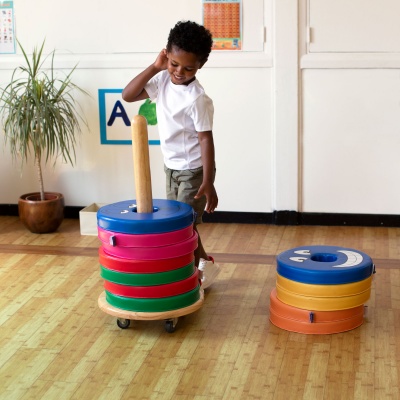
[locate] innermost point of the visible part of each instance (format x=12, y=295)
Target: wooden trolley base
x=124, y=317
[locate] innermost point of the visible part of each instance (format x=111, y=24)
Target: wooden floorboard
x=222, y=257
x=57, y=344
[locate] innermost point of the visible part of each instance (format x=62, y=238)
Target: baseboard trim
x=327, y=219
x=297, y=218
x=274, y=218
x=12, y=211
x=9, y=210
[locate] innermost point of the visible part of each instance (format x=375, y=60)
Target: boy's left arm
x=208, y=159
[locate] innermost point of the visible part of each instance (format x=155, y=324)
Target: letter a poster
x=7, y=27
x=223, y=18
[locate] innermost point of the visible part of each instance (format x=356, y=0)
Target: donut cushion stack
x=321, y=289
x=147, y=259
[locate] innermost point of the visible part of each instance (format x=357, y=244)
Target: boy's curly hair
x=192, y=38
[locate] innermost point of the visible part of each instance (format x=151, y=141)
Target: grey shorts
x=183, y=186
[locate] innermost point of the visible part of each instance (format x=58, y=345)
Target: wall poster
x=224, y=20
x=116, y=115
x=7, y=27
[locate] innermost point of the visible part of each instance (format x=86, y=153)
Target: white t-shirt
x=182, y=111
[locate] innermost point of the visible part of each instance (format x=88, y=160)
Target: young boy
x=185, y=120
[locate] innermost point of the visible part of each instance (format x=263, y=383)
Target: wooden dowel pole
x=141, y=164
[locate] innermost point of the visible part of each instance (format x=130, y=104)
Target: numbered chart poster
x=7, y=27
x=224, y=20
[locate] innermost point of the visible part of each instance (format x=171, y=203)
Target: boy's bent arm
x=208, y=159
x=134, y=90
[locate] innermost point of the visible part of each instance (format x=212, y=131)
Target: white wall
x=307, y=120
x=350, y=96
x=104, y=173
x=351, y=140
x=114, y=43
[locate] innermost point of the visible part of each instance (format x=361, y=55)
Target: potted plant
x=40, y=117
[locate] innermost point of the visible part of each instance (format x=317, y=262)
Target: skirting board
x=274, y=218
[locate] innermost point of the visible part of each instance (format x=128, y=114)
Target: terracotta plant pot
x=41, y=216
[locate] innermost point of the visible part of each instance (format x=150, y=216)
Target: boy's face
x=182, y=66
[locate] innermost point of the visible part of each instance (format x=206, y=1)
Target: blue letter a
x=118, y=111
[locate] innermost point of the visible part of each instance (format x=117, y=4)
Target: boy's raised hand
x=134, y=90
x=161, y=62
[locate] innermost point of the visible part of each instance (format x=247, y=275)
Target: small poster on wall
x=115, y=118
x=7, y=27
x=224, y=20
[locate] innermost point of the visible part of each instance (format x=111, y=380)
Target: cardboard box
x=88, y=219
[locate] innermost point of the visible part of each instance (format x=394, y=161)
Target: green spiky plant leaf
x=39, y=113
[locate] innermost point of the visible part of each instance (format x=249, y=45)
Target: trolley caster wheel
x=123, y=323
x=170, y=325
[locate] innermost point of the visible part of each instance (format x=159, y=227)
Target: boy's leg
x=199, y=252
x=208, y=269
x=171, y=184
x=183, y=186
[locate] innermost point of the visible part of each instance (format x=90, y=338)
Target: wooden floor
x=55, y=343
